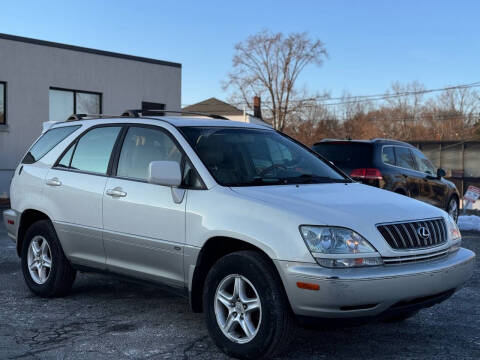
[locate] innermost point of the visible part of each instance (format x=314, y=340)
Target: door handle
x=54, y=182
x=116, y=192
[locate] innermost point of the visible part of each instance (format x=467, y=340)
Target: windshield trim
x=346, y=179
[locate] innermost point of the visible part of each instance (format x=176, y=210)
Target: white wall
x=31, y=69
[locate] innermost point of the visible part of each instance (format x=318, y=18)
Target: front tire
x=247, y=313
x=46, y=270
x=452, y=208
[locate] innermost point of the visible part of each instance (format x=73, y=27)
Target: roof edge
x=88, y=50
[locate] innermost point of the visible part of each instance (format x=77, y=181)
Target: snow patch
x=469, y=223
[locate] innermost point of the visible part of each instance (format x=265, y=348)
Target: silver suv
x=255, y=228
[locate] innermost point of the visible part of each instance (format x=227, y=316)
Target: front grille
x=414, y=234
x=397, y=260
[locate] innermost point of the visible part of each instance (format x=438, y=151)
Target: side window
x=47, y=142
x=404, y=158
x=142, y=146
x=388, y=155
x=93, y=150
x=424, y=165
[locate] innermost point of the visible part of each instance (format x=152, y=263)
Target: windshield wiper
x=314, y=179
x=259, y=181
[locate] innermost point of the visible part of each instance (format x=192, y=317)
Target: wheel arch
x=213, y=249
x=28, y=217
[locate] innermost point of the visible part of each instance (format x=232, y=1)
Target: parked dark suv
x=392, y=165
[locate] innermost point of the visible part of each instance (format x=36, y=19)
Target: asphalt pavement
x=108, y=318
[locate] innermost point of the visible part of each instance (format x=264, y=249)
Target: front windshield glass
x=250, y=157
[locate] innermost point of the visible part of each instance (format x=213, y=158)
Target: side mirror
x=166, y=173
x=441, y=173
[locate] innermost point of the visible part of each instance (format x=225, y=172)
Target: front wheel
x=452, y=208
x=247, y=312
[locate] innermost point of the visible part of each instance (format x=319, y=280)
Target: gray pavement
x=106, y=318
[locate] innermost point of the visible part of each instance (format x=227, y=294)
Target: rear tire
x=272, y=324
x=46, y=270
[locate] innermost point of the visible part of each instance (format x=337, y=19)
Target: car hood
x=350, y=205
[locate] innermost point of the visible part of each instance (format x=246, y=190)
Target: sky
x=370, y=43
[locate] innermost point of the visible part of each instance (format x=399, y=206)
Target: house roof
x=87, y=50
x=214, y=106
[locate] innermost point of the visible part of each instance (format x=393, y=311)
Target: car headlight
x=339, y=247
x=454, y=234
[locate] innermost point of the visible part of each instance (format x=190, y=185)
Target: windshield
x=251, y=157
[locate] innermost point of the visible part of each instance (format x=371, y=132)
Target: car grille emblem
x=423, y=232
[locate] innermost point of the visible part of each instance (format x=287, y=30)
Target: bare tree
x=268, y=65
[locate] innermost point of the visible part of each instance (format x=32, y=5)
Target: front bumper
x=12, y=220
x=371, y=291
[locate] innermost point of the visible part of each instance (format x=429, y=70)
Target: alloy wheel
x=39, y=260
x=238, y=309
x=453, y=209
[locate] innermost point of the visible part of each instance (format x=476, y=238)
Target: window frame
x=415, y=157
x=74, y=144
x=348, y=179
x=116, y=150
x=24, y=161
x=394, y=156
x=4, y=123
x=75, y=92
x=185, y=158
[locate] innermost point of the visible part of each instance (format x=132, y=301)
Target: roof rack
x=139, y=113
x=78, y=117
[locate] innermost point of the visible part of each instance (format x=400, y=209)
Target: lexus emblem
x=423, y=232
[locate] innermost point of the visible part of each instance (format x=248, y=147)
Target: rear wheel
x=452, y=208
x=45, y=268
x=247, y=312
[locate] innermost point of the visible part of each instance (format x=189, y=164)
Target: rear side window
x=388, y=155
x=404, y=158
x=47, y=142
x=92, y=151
x=346, y=155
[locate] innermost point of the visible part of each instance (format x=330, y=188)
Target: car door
x=405, y=161
x=432, y=189
x=144, y=228
x=74, y=192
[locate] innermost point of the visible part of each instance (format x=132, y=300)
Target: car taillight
x=366, y=173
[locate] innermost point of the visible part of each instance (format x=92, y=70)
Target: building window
x=64, y=103
x=3, y=103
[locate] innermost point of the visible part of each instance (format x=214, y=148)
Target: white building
x=42, y=80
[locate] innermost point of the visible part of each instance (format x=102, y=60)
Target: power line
x=344, y=100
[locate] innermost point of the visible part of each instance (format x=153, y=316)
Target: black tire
x=399, y=317
x=453, y=198
x=61, y=275
x=277, y=320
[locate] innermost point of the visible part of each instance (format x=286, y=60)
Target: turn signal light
x=308, y=286
x=366, y=173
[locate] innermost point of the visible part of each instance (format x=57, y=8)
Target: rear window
x=346, y=155
x=47, y=142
